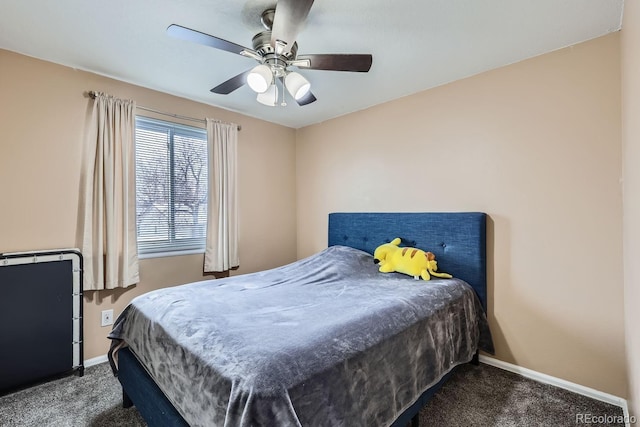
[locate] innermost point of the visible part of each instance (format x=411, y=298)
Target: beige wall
x=537, y=146
x=631, y=214
x=42, y=111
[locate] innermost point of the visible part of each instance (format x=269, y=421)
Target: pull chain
x=284, y=102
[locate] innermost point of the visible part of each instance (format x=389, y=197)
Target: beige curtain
x=221, y=252
x=108, y=221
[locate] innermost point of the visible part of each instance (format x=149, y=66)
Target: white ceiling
x=416, y=44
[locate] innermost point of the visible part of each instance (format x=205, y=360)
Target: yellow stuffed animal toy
x=411, y=261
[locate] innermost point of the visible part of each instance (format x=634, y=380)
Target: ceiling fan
x=277, y=51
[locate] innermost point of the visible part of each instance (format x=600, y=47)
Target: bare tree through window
x=190, y=175
x=171, y=186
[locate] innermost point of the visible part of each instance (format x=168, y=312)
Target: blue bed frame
x=457, y=239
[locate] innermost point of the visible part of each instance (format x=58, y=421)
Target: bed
x=324, y=341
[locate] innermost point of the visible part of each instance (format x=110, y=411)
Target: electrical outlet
x=107, y=317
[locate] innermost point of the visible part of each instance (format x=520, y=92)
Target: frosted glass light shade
x=260, y=78
x=269, y=97
x=297, y=85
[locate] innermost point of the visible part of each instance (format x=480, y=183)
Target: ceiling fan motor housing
x=262, y=44
x=277, y=62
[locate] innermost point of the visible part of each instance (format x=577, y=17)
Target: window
x=171, y=186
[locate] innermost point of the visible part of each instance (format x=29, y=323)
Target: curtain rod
x=92, y=94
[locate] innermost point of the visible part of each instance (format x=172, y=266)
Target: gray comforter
x=325, y=341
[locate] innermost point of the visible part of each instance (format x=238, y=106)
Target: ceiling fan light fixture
x=297, y=85
x=269, y=97
x=260, y=78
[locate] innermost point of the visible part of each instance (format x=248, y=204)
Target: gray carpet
x=487, y=396
x=92, y=400
x=474, y=396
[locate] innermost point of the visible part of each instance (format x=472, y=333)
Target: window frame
x=170, y=246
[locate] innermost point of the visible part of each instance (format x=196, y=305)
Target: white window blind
x=171, y=186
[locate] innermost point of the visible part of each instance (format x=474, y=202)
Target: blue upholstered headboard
x=457, y=239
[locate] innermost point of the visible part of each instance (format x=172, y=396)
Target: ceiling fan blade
x=232, y=84
x=188, y=34
x=307, y=99
x=287, y=23
x=336, y=62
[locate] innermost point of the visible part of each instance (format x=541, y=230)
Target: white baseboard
x=95, y=360
x=558, y=382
